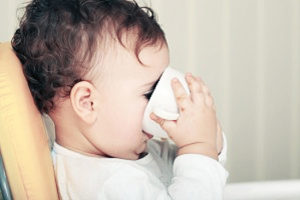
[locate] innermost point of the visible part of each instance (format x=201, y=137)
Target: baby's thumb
x=166, y=125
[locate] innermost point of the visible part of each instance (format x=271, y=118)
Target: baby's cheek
x=138, y=114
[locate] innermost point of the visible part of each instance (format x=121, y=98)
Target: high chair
x=27, y=171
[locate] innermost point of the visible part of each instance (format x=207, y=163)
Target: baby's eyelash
x=148, y=94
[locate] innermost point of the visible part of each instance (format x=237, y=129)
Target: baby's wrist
x=199, y=148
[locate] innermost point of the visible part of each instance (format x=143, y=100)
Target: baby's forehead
x=120, y=63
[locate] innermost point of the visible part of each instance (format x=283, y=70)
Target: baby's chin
x=136, y=156
x=138, y=153
x=142, y=152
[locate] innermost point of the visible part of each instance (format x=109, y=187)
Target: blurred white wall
x=8, y=18
x=248, y=53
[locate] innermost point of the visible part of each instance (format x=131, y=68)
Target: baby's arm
x=197, y=135
x=196, y=177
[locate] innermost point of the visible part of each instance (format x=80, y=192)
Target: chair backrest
x=4, y=186
x=23, y=140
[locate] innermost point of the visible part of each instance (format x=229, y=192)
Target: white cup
x=163, y=102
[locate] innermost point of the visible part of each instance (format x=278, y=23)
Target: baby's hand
x=195, y=131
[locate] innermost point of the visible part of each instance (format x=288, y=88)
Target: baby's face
x=122, y=102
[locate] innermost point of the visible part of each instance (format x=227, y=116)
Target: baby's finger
x=203, y=85
x=195, y=88
x=206, y=90
x=219, y=137
x=181, y=96
x=165, y=124
x=208, y=98
x=157, y=119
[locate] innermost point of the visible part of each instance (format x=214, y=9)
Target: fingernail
x=153, y=117
x=175, y=80
x=189, y=76
x=205, y=89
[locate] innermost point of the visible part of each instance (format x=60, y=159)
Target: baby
x=92, y=66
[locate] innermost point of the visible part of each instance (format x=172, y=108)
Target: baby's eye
x=148, y=94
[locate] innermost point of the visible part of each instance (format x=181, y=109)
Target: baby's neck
x=75, y=141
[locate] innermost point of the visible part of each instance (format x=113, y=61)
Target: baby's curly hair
x=57, y=39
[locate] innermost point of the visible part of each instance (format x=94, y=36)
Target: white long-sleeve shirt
x=159, y=175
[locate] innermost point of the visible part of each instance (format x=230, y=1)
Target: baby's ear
x=83, y=100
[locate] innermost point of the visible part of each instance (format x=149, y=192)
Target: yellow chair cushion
x=23, y=140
